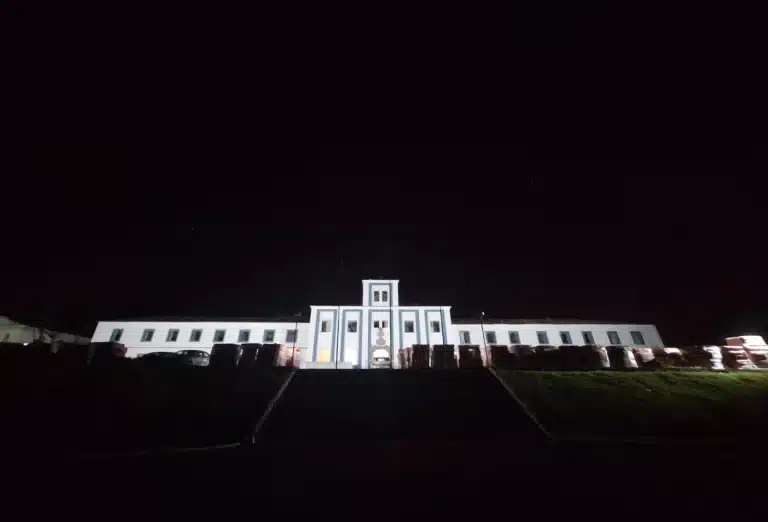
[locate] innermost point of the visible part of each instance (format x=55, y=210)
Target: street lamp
x=485, y=345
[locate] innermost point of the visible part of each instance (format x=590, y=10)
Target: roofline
x=492, y=320
x=287, y=319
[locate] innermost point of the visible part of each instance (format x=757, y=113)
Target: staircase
x=412, y=405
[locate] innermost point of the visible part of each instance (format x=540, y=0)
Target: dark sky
x=192, y=179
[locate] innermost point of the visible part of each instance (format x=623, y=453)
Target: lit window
x=376, y=296
x=408, y=327
x=464, y=337
x=435, y=325
x=290, y=336
x=543, y=338
x=565, y=338
x=514, y=338
x=384, y=295
x=490, y=337
x=352, y=326
x=218, y=336
x=117, y=334
x=243, y=336
x=195, y=336
x=613, y=338
x=269, y=336
x=325, y=326
x=173, y=336
x=588, y=337
x=637, y=338
x=147, y=334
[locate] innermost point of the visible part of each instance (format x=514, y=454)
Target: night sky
x=195, y=190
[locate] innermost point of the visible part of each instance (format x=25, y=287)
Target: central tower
x=382, y=293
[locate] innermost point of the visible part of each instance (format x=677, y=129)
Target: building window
x=243, y=336
x=543, y=338
x=195, y=336
x=384, y=295
x=173, y=336
x=218, y=336
x=352, y=326
x=613, y=338
x=514, y=338
x=269, y=336
x=376, y=296
x=490, y=337
x=588, y=337
x=116, y=335
x=325, y=326
x=383, y=324
x=375, y=324
x=408, y=327
x=435, y=325
x=565, y=338
x=290, y=336
x=147, y=334
x=637, y=338
x=464, y=337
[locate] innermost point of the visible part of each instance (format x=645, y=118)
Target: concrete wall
x=341, y=345
x=391, y=286
x=528, y=333
x=132, y=332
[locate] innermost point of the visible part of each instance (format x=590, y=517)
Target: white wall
x=132, y=332
x=527, y=333
x=390, y=285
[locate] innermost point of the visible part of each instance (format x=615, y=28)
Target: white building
x=13, y=332
x=345, y=336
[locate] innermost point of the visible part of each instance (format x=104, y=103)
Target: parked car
x=161, y=358
x=381, y=359
x=195, y=357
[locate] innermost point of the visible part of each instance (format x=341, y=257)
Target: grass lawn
x=646, y=404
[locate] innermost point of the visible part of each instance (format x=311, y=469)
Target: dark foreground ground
x=400, y=445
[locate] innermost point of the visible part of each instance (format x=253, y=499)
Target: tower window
x=376, y=296
x=218, y=336
x=408, y=327
x=173, y=335
x=542, y=337
x=117, y=334
x=565, y=338
x=384, y=295
x=435, y=325
x=195, y=336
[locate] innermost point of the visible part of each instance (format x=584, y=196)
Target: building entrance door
x=380, y=353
